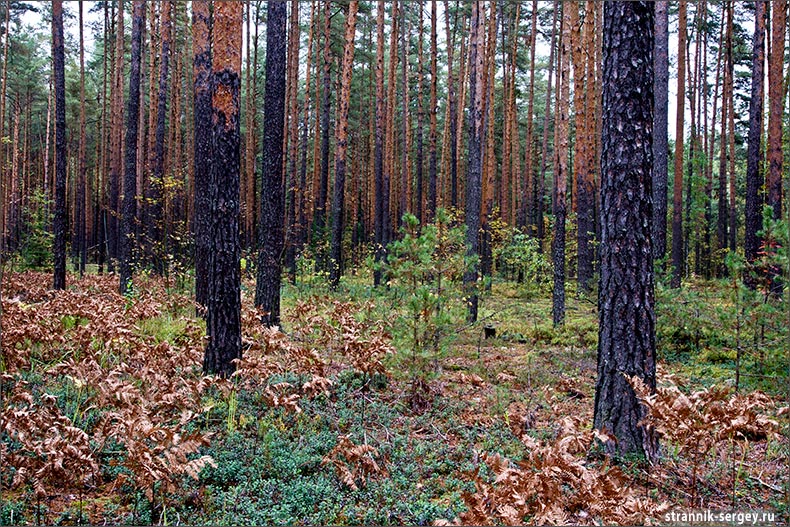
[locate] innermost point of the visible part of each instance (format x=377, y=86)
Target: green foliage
x=35, y=250
x=424, y=271
x=519, y=254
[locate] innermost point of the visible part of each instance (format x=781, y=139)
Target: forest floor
x=106, y=417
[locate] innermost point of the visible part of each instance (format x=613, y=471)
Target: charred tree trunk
x=272, y=229
x=754, y=157
x=201, y=47
x=381, y=208
x=59, y=226
x=475, y=168
x=561, y=174
x=223, y=324
x=626, y=345
x=130, y=164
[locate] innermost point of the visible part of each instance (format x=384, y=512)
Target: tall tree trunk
x=271, y=232
x=81, y=218
x=116, y=144
x=626, y=343
x=130, y=164
x=677, y=196
x=59, y=226
x=452, y=107
x=583, y=73
x=545, y=144
x=527, y=208
x=201, y=48
x=319, y=220
x=341, y=146
x=776, y=96
x=223, y=325
x=381, y=209
x=293, y=129
x=419, y=161
x=723, y=211
x=475, y=168
x=156, y=241
x=660, y=127
x=303, y=191
x=561, y=174
x=390, y=121
x=432, y=108
x=754, y=157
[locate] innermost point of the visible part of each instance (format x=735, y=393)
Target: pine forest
x=389, y=262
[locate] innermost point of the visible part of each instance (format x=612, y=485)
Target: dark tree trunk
x=677, y=185
x=544, y=162
x=156, y=197
x=81, y=218
x=432, y=153
x=381, y=206
x=561, y=167
x=201, y=46
x=723, y=210
x=130, y=163
x=660, y=127
x=453, y=110
x=59, y=224
x=754, y=157
x=475, y=168
x=341, y=146
x=272, y=229
x=420, y=158
x=319, y=215
x=223, y=324
x=626, y=344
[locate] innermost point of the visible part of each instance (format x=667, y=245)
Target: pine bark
x=660, y=127
x=201, y=48
x=626, y=302
x=272, y=229
x=319, y=219
x=381, y=208
x=723, y=210
x=156, y=194
x=475, y=159
x=432, y=108
x=754, y=154
x=561, y=174
x=545, y=144
x=223, y=324
x=130, y=163
x=776, y=96
x=59, y=221
x=81, y=212
x=341, y=147
x=677, y=195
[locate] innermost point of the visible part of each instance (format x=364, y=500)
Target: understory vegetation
x=380, y=406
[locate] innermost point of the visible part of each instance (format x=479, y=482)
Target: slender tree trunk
x=293, y=129
x=81, y=216
x=545, y=145
x=561, y=174
x=723, y=211
x=420, y=158
x=452, y=108
x=626, y=343
x=432, y=108
x=156, y=197
x=677, y=196
x=59, y=226
x=527, y=208
x=223, y=325
x=341, y=145
x=303, y=191
x=390, y=121
x=475, y=168
x=381, y=209
x=319, y=220
x=776, y=97
x=271, y=231
x=660, y=142
x=201, y=48
x=130, y=165
x=754, y=157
